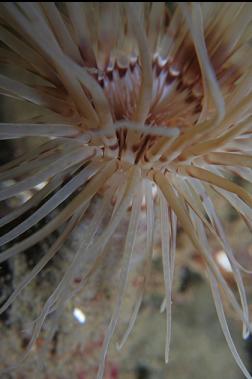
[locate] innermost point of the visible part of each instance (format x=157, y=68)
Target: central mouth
x=176, y=105
x=176, y=90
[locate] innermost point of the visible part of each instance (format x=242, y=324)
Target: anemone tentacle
x=127, y=98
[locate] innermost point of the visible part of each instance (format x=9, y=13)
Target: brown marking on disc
x=122, y=71
x=110, y=75
x=114, y=147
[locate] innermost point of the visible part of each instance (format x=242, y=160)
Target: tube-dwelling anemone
x=130, y=97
